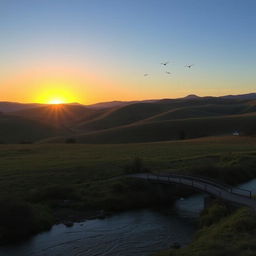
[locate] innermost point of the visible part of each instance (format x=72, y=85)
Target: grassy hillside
x=171, y=130
x=19, y=130
x=124, y=115
x=59, y=115
x=168, y=110
x=231, y=235
x=143, y=122
x=207, y=110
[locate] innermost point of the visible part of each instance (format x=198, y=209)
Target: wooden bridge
x=237, y=196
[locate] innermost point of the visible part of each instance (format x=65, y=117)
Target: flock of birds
x=168, y=72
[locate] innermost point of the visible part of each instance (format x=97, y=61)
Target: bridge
x=237, y=196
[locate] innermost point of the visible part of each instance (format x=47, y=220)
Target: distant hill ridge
x=191, y=96
x=135, y=121
x=6, y=106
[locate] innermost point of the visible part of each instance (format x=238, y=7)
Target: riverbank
x=72, y=182
x=29, y=218
x=222, y=233
x=138, y=232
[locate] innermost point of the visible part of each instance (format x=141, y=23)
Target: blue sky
x=113, y=43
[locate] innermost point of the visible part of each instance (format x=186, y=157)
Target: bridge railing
x=233, y=190
x=202, y=184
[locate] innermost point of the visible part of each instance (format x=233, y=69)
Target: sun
x=56, y=101
x=55, y=92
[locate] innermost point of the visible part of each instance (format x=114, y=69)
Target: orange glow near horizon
x=69, y=86
x=55, y=92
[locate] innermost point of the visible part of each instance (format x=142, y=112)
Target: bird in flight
x=167, y=72
x=164, y=63
x=146, y=74
x=189, y=66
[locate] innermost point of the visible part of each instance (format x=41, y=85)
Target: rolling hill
x=123, y=115
x=166, y=110
x=170, y=130
x=145, y=121
x=65, y=115
x=15, y=129
x=6, y=106
x=207, y=110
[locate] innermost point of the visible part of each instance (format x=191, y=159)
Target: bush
x=70, y=140
x=182, y=135
x=213, y=214
x=19, y=219
x=136, y=166
x=26, y=142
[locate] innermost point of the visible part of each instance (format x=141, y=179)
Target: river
x=136, y=233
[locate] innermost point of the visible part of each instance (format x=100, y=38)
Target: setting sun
x=56, y=101
x=56, y=91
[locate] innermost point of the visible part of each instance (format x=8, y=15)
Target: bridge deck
x=235, y=195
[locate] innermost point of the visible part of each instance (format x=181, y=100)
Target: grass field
x=228, y=234
x=77, y=163
x=79, y=176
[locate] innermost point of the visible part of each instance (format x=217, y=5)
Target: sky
x=91, y=51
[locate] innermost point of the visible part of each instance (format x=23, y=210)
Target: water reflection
x=250, y=185
x=137, y=233
x=132, y=233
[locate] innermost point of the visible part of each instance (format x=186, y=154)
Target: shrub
x=182, y=135
x=26, y=142
x=19, y=219
x=213, y=214
x=70, y=140
x=137, y=165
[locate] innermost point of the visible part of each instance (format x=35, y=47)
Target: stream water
x=137, y=233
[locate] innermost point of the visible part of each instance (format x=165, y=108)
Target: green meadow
x=32, y=166
x=46, y=181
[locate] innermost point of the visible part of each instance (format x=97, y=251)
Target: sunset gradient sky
x=89, y=51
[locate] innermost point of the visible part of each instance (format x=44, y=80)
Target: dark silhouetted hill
x=166, y=109
x=152, y=120
x=248, y=96
x=13, y=106
x=59, y=115
x=15, y=129
x=171, y=130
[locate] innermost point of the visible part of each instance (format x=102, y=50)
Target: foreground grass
x=27, y=167
x=58, y=177
x=225, y=235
